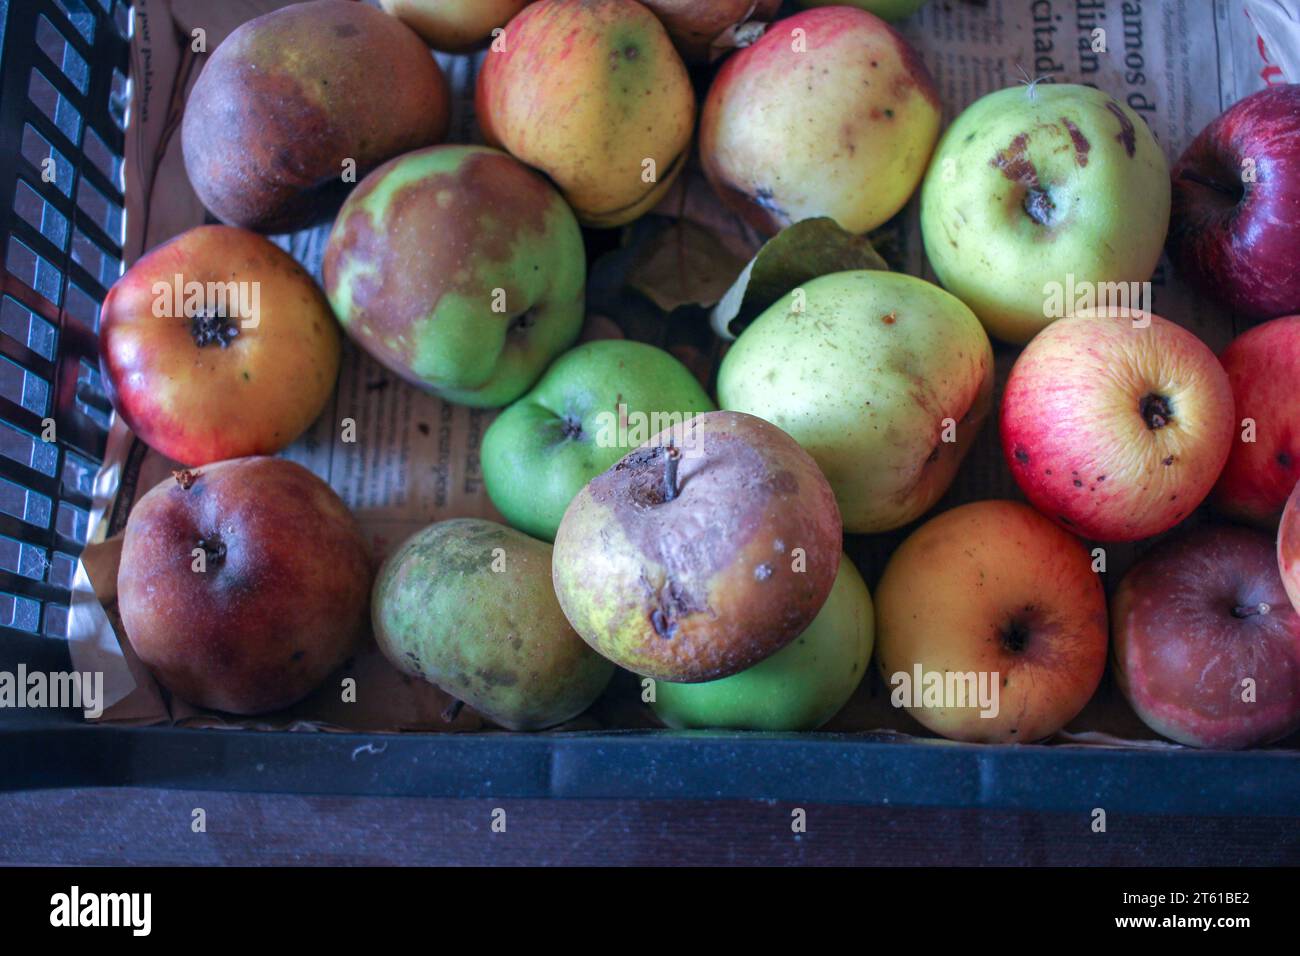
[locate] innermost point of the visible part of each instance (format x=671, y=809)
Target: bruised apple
x=592, y=93
x=831, y=113
x=289, y=111
x=217, y=345
x=243, y=584
x=1207, y=646
x=701, y=553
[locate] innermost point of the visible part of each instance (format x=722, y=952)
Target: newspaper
x=1178, y=63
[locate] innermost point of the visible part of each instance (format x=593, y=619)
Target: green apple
x=801, y=686
x=883, y=378
x=460, y=269
x=888, y=9
x=1036, y=190
x=591, y=407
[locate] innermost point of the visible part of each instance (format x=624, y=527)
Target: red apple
x=243, y=584
x=1116, y=425
x=1207, y=647
x=217, y=345
x=1234, y=229
x=994, y=593
x=1288, y=547
x=1263, y=365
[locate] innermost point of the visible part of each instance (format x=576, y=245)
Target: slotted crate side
x=63, y=96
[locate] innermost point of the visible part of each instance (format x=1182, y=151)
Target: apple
x=217, y=344
x=801, y=686
x=467, y=605
x=1207, y=647
x=1116, y=424
x=289, y=106
x=459, y=269
x=1263, y=365
x=1234, y=232
x=887, y=9
x=1288, y=547
x=243, y=584
x=702, y=552
x=694, y=25
x=882, y=377
x=1005, y=609
x=592, y=93
x=592, y=406
x=454, y=26
x=1040, y=188
x=831, y=113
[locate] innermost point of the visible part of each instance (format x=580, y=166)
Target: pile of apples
x=697, y=539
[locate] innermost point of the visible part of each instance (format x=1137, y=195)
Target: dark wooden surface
x=131, y=826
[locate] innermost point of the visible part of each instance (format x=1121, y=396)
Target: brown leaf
x=684, y=265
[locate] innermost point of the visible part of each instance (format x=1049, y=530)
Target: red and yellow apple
x=1263, y=366
x=1288, y=547
x=994, y=594
x=217, y=345
x=695, y=24
x=454, y=26
x=1207, y=646
x=592, y=93
x=243, y=584
x=831, y=113
x=1116, y=424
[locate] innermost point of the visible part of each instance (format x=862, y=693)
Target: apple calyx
x=1250, y=610
x=1038, y=206
x=212, y=328
x=186, y=478
x=1155, y=410
x=1015, y=636
x=570, y=427
x=214, y=549
x=523, y=321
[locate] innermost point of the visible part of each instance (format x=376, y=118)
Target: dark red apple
x=243, y=584
x=1206, y=644
x=1234, y=228
x=1263, y=365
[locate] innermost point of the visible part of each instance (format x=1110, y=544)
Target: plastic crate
x=63, y=96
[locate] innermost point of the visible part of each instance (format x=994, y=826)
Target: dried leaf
x=798, y=253
x=684, y=265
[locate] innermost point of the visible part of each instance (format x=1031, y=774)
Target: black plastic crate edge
x=661, y=765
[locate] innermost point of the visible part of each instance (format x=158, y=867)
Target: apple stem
x=1250, y=610
x=671, y=456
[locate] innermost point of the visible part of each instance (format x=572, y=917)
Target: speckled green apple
x=592, y=406
x=801, y=686
x=459, y=269
x=884, y=379
x=704, y=551
x=467, y=605
x=1040, y=188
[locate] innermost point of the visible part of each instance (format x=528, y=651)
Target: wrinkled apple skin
x=467, y=605
x=1193, y=620
x=1263, y=365
x=1030, y=186
x=865, y=376
x=995, y=587
x=539, y=452
x=614, y=94
x=695, y=24
x=416, y=257
x=843, y=129
x=801, y=686
x=710, y=582
x=282, y=596
x=454, y=26
x=1237, y=241
x=290, y=96
x=202, y=403
x=1115, y=432
x=1288, y=547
